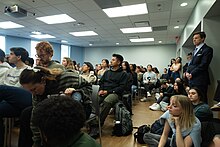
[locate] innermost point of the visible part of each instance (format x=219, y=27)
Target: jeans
x=152, y=140
x=12, y=101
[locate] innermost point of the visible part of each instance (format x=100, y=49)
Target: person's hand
x=189, y=76
x=103, y=92
x=176, y=121
x=161, y=94
x=69, y=91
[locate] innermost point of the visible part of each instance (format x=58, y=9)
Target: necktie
x=194, y=52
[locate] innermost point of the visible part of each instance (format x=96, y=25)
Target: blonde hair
x=187, y=116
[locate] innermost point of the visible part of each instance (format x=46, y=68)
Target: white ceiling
x=88, y=12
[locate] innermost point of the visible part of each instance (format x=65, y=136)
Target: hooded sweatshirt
x=3, y=68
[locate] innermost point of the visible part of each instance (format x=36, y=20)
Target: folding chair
x=95, y=104
x=8, y=131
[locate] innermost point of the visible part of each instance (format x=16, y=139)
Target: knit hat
x=2, y=55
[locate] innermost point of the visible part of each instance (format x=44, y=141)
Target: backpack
x=157, y=128
x=140, y=133
x=123, y=123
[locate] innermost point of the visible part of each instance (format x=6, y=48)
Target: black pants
x=25, y=135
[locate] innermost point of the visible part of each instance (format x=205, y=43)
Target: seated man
x=112, y=85
x=149, y=82
x=13, y=99
x=60, y=119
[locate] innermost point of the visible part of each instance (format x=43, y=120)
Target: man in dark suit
x=197, y=71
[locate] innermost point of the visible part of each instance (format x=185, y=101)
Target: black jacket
x=114, y=81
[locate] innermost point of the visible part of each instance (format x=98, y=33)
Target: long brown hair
x=38, y=73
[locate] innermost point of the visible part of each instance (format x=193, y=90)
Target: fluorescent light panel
x=36, y=32
x=176, y=27
x=183, y=4
x=9, y=25
x=136, y=30
x=126, y=10
x=142, y=40
x=64, y=41
x=42, y=36
x=84, y=33
x=55, y=19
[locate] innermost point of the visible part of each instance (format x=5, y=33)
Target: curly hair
x=45, y=46
x=59, y=118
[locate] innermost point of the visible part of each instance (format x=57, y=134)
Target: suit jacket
x=199, y=66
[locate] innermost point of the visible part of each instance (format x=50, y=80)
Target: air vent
x=142, y=24
x=108, y=3
x=159, y=28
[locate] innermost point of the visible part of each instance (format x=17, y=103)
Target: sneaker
x=155, y=107
x=148, y=94
x=152, y=105
x=157, y=96
x=144, y=99
x=216, y=107
x=94, y=132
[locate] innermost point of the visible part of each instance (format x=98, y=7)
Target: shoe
x=155, y=107
x=94, y=132
x=148, y=94
x=157, y=96
x=216, y=107
x=144, y=99
x=152, y=105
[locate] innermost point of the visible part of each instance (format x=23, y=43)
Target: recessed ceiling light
x=54, y=19
x=142, y=40
x=136, y=30
x=9, y=25
x=90, y=44
x=126, y=10
x=36, y=32
x=160, y=41
x=42, y=36
x=64, y=41
x=84, y=33
x=117, y=43
x=176, y=27
x=183, y=4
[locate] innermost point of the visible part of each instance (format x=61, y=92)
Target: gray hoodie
x=3, y=68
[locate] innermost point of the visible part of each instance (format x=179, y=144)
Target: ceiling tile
x=67, y=8
x=86, y=5
x=98, y=14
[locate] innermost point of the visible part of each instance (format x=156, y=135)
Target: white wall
x=158, y=56
x=211, y=26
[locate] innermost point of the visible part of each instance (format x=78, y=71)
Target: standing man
x=112, y=85
x=197, y=71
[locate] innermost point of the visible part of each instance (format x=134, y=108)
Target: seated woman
x=43, y=82
x=60, y=119
x=201, y=109
x=164, y=99
x=181, y=120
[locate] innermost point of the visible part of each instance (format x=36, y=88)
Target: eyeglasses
x=40, y=56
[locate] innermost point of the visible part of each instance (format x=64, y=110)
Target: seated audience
x=149, y=82
x=45, y=52
x=164, y=100
x=201, y=109
x=42, y=82
x=135, y=80
x=88, y=73
x=181, y=120
x=59, y=120
x=67, y=63
x=104, y=67
x=13, y=99
x=30, y=62
x=165, y=74
x=112, y=85
x=4, y=66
